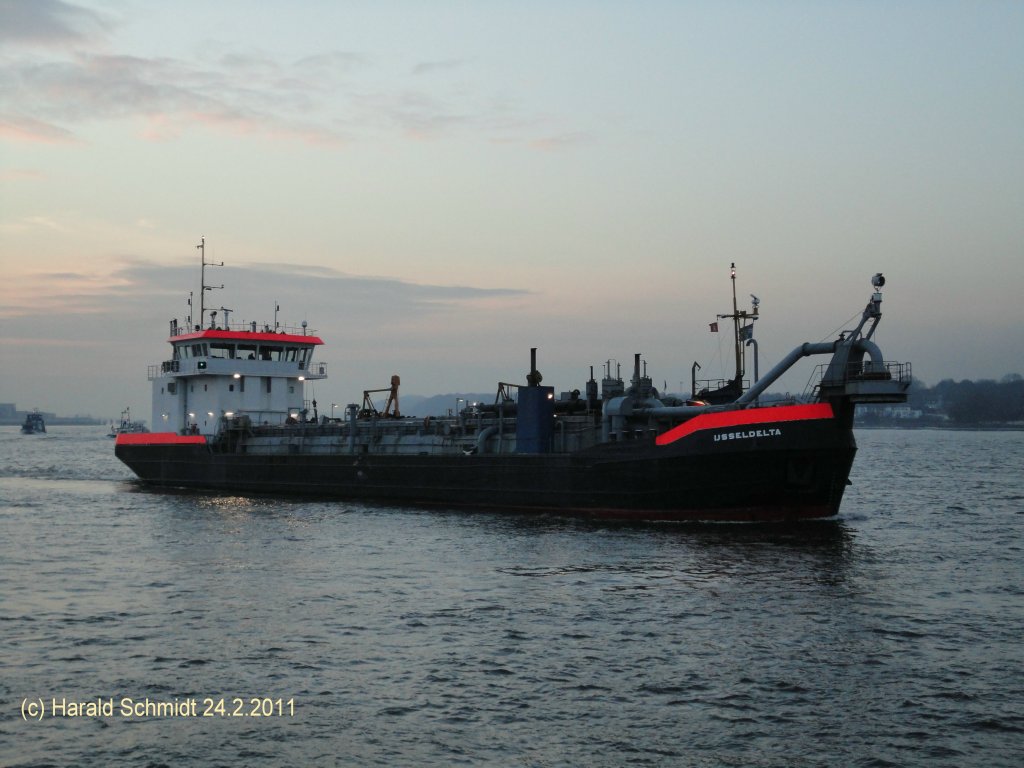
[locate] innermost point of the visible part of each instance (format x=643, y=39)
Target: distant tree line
x=972, y=402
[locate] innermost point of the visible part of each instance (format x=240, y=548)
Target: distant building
x=8, y=411
x=902, y=412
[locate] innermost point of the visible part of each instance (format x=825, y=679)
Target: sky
x=437, y=187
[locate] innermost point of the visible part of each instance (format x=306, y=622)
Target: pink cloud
x=21, y=174
x=28, y=129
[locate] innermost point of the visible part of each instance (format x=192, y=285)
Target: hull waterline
x=794, y=470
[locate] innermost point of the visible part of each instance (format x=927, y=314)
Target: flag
x=713, y=327
x=747, y=332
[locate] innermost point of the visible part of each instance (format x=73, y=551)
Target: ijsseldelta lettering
x=770, y=432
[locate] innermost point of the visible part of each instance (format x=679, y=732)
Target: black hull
x=794, y=471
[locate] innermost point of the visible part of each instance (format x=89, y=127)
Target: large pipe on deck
x=804, y=350
x=866, y=345
x=482, y=437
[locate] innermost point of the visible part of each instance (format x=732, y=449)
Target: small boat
x=33, y=424
x=126, y=426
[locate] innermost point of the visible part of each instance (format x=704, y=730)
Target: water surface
x=891, y=636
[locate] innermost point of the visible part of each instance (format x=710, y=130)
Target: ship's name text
x=749, y=434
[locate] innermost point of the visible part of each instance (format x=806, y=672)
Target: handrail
x=887, y=370
x=244, y=327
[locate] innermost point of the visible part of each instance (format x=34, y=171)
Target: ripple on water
x=888, y=637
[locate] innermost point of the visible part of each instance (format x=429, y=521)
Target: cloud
x=331, y=98
x=427, y=67
x=43, y=293
x=133, y=286
x=21, y=174
x=246, y=96
x=324, y=291
x=28, y=129
x=332, y=62
x=417, y=115
x=47, y=22
x=36, y=341
x=171, y=96
x=559, y=142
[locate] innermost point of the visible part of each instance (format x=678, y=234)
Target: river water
x=371, y=636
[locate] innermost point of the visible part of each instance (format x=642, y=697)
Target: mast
x=736, y=323
x=202, y=279
x=736, y=316
x=742, y=330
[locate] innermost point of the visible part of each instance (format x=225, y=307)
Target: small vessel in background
x=126, y=426
x=33, y=424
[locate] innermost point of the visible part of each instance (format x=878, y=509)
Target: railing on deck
x=713, y=384
x=866, y=370
x=244, y=327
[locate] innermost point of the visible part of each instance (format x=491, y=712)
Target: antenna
x=202, y=278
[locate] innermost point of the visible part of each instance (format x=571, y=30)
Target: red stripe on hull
x=159, y=438
x=746, y=418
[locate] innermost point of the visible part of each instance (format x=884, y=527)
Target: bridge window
x=246, y=351
x=222, y=351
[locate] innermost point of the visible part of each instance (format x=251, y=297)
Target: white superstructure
x=217, y=372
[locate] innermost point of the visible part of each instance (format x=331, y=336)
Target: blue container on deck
x=536, y=418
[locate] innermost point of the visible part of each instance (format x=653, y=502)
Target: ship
x=231, y=414
x=126, y=425
x=34, y=424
